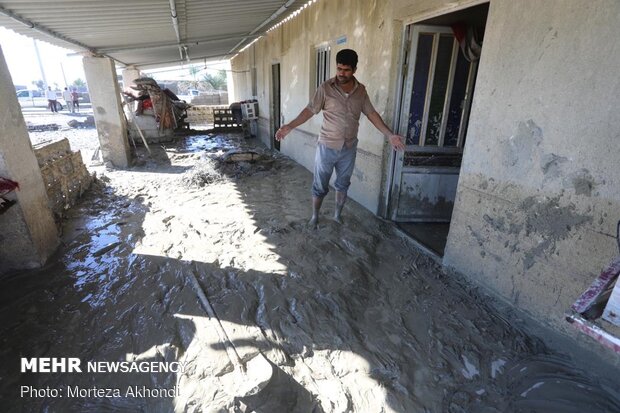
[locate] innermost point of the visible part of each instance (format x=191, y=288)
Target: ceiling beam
x=191, y=42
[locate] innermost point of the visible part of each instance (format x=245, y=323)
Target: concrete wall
x=538, y=200
x=28, y=236
x=370, y=29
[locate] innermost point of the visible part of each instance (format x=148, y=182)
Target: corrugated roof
x=141, y=32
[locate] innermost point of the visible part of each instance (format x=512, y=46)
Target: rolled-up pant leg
x=344, y=168
x=324, y=161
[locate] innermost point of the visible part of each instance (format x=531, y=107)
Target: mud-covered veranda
x=352, y=317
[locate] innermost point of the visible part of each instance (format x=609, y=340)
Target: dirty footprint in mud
x=301, y=225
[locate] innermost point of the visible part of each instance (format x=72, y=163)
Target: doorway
x=275, y=104
x=438, y=79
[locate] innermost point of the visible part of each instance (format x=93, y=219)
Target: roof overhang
x=150, y=33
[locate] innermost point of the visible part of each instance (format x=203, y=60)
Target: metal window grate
x=322, y=64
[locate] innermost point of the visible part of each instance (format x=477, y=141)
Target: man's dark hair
x=347, y=57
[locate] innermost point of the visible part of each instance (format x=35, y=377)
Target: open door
x=436, y=98
x=275, y=104
x=437, y=88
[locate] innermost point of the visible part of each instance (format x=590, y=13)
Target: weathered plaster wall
x=538, y=198
x=371, y=30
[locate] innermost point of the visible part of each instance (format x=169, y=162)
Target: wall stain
x=546, y=217
x=521, y=145
x=583, y=182
x=550, y=164
x=551, y=222
x=535, y=225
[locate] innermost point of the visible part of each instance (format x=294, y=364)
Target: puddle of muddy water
x=351, y=316
x=209, y=143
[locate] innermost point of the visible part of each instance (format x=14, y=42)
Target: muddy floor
x=351, y=317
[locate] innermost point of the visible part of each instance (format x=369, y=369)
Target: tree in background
x=193, y=71
x=39, y=84
x=218, y=80
x=78, y=83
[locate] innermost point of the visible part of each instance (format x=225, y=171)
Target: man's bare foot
x=313, y=223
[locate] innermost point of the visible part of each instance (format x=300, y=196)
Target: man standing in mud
x=342, y=99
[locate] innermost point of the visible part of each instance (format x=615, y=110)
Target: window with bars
x=322, y=55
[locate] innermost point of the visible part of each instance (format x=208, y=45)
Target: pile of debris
x=89, y=122
x=238, y=163
x=235, y=164
x=42, y=128
x=205, y=172
x=165, y=106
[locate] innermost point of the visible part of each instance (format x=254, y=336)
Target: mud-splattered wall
x=538, y=201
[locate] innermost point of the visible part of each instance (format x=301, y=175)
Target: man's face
x=344, y=73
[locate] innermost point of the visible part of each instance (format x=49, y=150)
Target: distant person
x=51, y=99
x=66, y=95
x=75, y=100
x=342, y=99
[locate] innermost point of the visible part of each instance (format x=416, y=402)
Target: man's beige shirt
x=341, y=112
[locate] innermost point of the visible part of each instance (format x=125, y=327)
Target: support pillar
x=230, y=81
x=105, y=97
x=28, y=234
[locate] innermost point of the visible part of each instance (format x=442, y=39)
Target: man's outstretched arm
x=397, y=141
x=303, y=116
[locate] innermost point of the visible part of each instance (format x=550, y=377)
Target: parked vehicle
x=189, y=95
x=36, y=98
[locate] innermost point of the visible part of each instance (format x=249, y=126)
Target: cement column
x=28, y=234
x=232, y=97
x=130, y=73
x=105, y=97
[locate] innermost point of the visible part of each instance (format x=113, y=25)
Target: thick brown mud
x=352, y=317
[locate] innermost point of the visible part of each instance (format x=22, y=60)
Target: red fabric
x=460, y=31
x=6, y=185
x=147, y=104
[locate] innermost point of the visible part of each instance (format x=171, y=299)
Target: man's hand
x=283, y=131
x=397, y=142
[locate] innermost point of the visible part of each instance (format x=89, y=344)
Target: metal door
x=275, y=103
x=435, y=101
